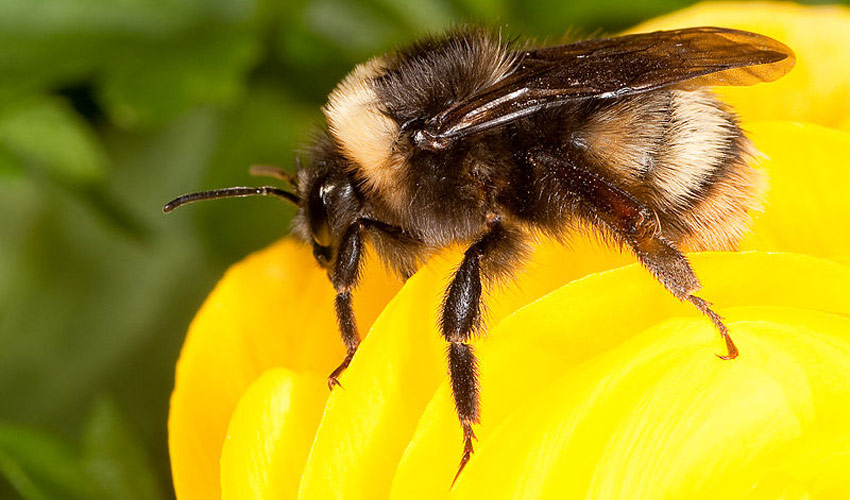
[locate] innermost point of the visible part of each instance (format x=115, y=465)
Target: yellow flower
x=595, y=383
x=817, y=90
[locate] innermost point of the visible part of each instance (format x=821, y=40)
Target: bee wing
x=615, y=67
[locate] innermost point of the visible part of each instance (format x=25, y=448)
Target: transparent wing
x=615, y=67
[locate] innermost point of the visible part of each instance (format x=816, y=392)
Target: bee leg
x=345, y=276
x=703, y=305
x=491, y=255
x=614, y=209
x=671, y=268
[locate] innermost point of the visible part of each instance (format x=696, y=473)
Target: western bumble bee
x=466, y=139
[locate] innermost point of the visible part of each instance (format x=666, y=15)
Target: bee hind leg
x=671, y=268
x=637, y=226
x=703, y=305
x=618, y=212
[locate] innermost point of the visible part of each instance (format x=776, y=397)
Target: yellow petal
x=657, y=418
x=818, y=88
x=402, y=362
x=270, y=434
x=274, y=309
x=807, y=209
x=583, y=321
x=368, y=420
x=386, y=405
x=245, y=333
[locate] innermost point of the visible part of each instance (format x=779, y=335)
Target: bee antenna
x=232, y=192
x=276, y=172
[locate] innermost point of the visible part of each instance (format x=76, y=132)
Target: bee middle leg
x=494, y=254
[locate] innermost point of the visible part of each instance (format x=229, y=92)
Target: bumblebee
x=465, y=139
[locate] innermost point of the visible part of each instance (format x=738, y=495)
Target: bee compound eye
x=317, y=216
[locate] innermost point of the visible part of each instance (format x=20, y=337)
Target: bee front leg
x=346, y=274
x=494, y=254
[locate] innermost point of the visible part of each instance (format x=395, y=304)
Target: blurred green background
x=107, y=110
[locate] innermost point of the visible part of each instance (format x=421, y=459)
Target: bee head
x=328, y=202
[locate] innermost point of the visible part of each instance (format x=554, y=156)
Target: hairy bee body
x=462, y=139
x=678, y=152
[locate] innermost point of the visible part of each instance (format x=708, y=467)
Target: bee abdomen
x=682, y=154
x=704, y=185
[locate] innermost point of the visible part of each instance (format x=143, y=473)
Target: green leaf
x=45, y=133
x=118, y=307
x=10, y=167
x=417, y=15
x=40, y=466
x=547, y=17
x=266, y=128
x=115, y=457
x=49, y=40
x=494, y=12
x=153, y=58
x=352, y=27
x=161, y=80
x=43, y=136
